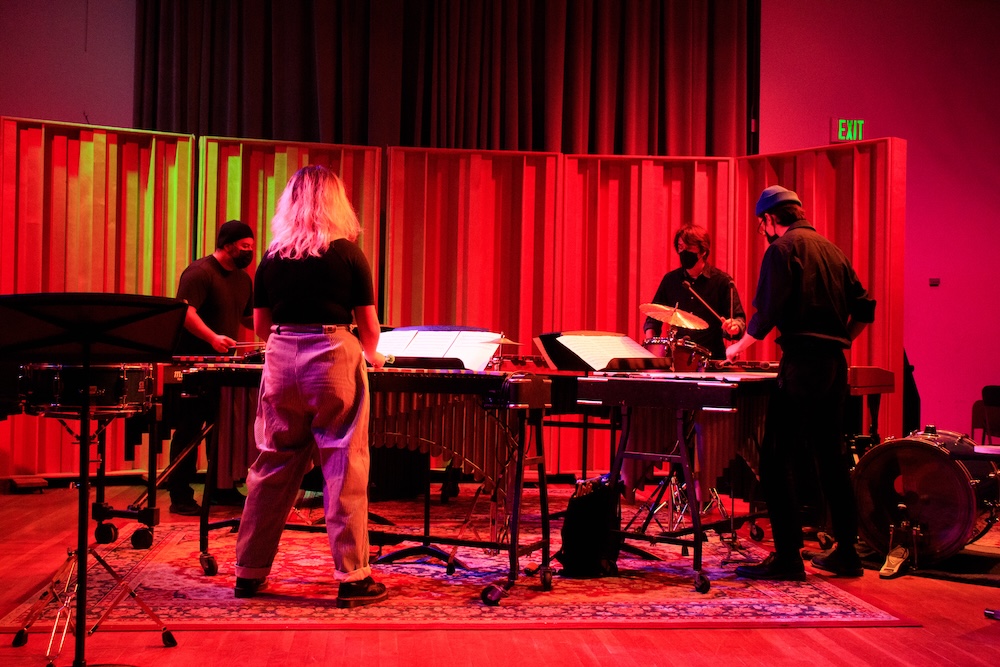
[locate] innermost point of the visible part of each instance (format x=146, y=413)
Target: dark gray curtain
x=655, y=77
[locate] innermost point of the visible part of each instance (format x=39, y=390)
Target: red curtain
x=644, y=77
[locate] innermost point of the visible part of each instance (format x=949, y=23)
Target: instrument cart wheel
x=701, y=583
x=547, y=580
x=105, y=533
x=756, y=533
x=142, y=538
x=495, y=592
x=208, y=565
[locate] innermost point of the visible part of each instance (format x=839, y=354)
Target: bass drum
x=931, y=480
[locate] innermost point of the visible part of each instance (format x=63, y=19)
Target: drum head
x=915, y=479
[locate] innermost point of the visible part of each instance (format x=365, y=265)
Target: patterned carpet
x=657, y=594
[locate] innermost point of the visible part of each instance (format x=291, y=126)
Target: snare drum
x=689, y=357
x=660, y=347
x=60, y=391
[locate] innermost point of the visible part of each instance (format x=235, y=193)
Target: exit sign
x=847, y=129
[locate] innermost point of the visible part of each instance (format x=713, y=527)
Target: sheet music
x=395, y=341
x=473, y=348
x=598, y=351
x=431, y=344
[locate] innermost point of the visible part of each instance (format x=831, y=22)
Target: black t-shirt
x=222, y=298
x=315, y=290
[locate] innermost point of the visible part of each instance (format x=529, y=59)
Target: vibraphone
x=480, y=419
x=685, y=395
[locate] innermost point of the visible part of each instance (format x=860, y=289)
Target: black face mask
x=688, y=258
x=243, y=259
x=771, y=238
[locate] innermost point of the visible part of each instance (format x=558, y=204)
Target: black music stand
x=88, y=328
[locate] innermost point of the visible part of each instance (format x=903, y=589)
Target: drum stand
x=63, y=588
x=84, y=329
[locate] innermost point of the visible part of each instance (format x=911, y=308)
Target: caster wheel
x=492, y=594
x=142, y=538
x=450, y=569
x=756, y=533
x=825, y=540
x=21, y=638
x=208, y=565
x=105, y=533
x=547, y=580
x=701, y=583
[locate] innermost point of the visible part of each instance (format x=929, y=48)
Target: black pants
x=804, y=432
x=195, y=413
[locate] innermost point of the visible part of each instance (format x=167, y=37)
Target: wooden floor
x=37, y=529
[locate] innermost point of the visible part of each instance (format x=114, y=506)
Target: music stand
x=88, y=328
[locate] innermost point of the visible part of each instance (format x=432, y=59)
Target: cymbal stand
x=63, y=579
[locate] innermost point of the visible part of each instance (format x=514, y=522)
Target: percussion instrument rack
x=686, y=394
x=525, y=395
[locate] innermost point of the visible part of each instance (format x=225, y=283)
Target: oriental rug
x=423, y=595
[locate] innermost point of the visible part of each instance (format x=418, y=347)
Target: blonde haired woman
x=311, y=284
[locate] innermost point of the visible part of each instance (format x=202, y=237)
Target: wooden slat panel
x=85, y=208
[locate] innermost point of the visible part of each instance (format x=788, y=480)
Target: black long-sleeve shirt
x=808, y=290
x=714, y=286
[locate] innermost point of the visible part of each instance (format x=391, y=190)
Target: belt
x=285, y=329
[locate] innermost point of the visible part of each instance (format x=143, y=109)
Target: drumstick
x=698, y=296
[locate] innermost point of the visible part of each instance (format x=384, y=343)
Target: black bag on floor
x=590, y=546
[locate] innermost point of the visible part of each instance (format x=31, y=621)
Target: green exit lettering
x=850, y=130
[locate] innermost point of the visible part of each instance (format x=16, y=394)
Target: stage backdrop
x=518, y=242
x=243, y=179
x=112, y=210
x=474, y=239
x=87, y=209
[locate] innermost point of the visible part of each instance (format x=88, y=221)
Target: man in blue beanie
x=219, y=294
x=809, y=292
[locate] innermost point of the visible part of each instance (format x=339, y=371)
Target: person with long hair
x=313, y=283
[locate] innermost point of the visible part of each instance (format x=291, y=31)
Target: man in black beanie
x=219, y=294
x=809, y=292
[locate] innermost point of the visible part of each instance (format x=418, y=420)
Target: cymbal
x=503, y=340
x=675, y=317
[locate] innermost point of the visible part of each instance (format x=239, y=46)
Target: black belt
x=281, y=329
